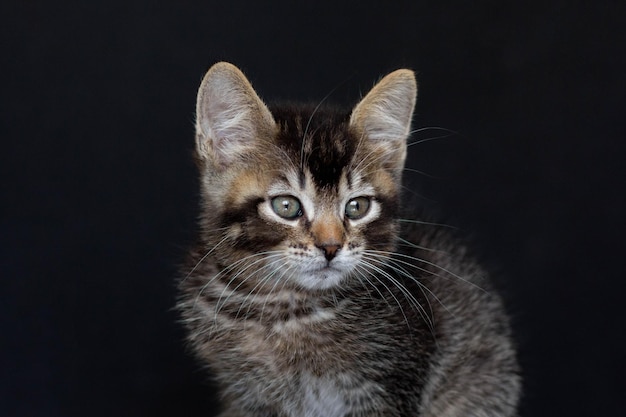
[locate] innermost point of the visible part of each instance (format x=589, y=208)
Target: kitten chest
x=313, y=365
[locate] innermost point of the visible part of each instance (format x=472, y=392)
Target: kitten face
x=297, y=197
x=314, y=222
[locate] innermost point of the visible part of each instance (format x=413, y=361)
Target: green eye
x=287, y=207
x=357, y=207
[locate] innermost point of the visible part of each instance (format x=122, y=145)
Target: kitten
x=307, y=295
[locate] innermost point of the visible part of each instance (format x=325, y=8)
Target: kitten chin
x=304, y=296
x=322, y=278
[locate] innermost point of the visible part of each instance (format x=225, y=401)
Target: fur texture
x=307, y=295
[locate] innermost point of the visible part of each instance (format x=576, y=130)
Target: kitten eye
x=287, y=207
x=357, y=207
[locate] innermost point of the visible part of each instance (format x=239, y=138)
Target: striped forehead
x=327, y=156
x=320, y=143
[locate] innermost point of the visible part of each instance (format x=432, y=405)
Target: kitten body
x=307, y=296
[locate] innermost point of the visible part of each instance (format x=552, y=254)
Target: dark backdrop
x=98, y=189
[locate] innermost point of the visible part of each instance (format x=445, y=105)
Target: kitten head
x=300, y=197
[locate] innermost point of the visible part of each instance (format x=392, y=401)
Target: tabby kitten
x=307, y=295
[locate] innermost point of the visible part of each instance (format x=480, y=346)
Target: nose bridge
x=327, y=228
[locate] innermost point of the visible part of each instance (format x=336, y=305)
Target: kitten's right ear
x=230, y=116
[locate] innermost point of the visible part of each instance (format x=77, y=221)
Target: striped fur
x=324, y=312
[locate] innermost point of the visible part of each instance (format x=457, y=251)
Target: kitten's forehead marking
x=302, y=179
x=349, y=177
x=354, y=185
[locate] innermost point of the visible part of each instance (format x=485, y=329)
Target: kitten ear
x=384, y=115
x=230, y=116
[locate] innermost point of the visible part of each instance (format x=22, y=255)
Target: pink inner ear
x=385, y=112
x=225, y=121
x=230, y=143
x=231, y=116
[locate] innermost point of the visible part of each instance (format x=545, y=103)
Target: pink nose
x=330, y=250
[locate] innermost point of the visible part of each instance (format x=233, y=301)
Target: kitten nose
x=330, y=250
x=327, y=232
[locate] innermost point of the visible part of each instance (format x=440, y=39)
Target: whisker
x=424, y=248
x=429, y=128
x=215, y=277
x=417, y=142
x=427, y=223
x=380, y=271
x=433, y=265
x=221, y=273
x=217, y=304
x=423, y=287
x=407, y=294
x=417, y=171
x=362, y=271
x=205, y=256
x=262, y=279
x=271, y=291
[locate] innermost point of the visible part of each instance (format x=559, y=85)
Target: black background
x=99, y=192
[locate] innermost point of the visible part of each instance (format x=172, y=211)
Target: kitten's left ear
x=384, y=115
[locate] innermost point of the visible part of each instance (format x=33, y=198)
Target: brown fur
x=320, y=314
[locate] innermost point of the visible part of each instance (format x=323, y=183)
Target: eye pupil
x=287, y=207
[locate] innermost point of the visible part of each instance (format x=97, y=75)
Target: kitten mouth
x=324, y=271
x=326, y=268
x=321, y=278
